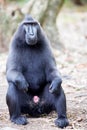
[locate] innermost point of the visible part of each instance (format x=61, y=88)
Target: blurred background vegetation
x=65, y=23
x=45, y=11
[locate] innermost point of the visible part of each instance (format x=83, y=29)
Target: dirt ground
x=72, y=63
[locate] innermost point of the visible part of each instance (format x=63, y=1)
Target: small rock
x=79, y=119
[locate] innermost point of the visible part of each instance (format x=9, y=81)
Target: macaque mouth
x=36, y=99
x=31, y=41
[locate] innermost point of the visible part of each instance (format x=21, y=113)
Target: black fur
x=31, y=70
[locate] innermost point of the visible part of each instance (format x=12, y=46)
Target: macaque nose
x=31, y=31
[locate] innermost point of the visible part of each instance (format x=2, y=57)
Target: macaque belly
x=36, y=80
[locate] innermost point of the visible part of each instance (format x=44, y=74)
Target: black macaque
x=33, y=79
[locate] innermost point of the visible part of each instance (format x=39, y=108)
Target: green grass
x=19, y=2
x=69, y=5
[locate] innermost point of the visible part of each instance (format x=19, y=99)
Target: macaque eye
x=32, y=24
x=26, y=26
